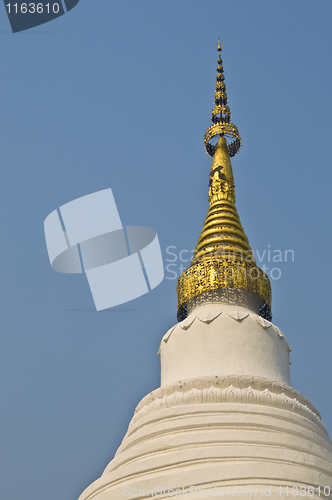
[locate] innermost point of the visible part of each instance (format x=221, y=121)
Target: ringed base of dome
x=224, y=445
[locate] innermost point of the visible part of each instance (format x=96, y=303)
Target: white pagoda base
x=205, y=433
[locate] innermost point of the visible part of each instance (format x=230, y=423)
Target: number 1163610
x=32, y=8
x=303, y=491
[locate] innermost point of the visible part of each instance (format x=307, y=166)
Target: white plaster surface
x=230, y=446
x=224, y=418
x=224, y=345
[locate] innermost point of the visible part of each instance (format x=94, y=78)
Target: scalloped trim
x=264, y=323
x=186, y=323
x=229, y=389
x=238, y=316
x=209, y=317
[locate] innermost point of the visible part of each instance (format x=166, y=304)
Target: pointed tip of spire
x=221, y=117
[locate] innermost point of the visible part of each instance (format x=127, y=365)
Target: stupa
x=225, y=420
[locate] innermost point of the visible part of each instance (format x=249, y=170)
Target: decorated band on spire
x=221, y=117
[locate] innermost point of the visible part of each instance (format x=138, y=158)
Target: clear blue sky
x=119, y=94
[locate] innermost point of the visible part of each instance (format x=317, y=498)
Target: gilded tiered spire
x=223, y=268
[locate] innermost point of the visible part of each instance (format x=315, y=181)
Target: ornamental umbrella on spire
x=223, y=268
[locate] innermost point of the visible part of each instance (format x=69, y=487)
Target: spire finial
x=223, y=268
x=221, y=117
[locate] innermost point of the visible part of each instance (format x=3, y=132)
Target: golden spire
x=223, y=268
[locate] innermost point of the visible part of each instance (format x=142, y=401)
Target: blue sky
x=119, y=94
